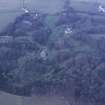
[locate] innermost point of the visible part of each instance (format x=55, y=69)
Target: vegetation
x=42, y=58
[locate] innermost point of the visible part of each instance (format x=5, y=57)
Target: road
x=8, y=99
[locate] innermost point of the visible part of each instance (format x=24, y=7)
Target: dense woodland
x=63, y=53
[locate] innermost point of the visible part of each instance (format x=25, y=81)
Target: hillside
x=62, y=54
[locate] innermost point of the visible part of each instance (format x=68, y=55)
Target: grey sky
x=43, y=5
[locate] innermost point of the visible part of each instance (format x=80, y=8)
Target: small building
x=68, y=30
